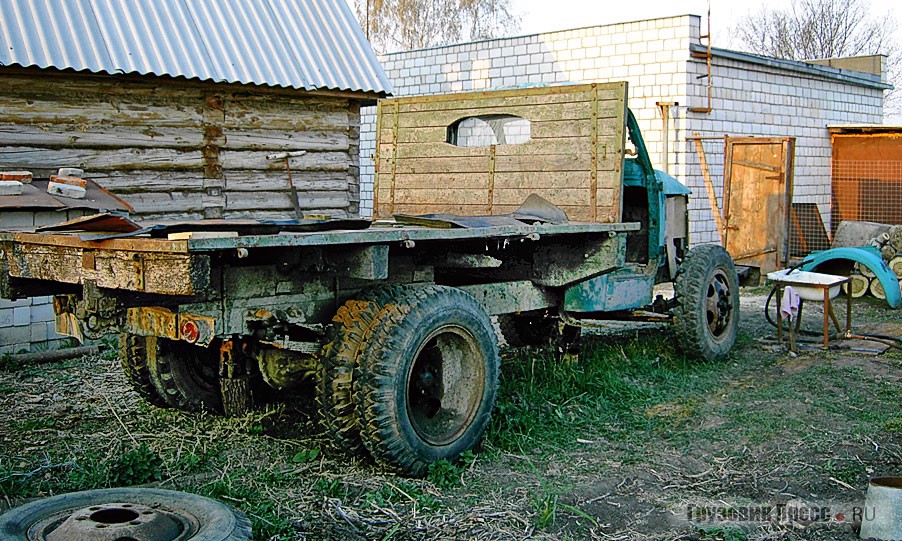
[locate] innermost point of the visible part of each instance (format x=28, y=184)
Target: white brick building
x=751, y=95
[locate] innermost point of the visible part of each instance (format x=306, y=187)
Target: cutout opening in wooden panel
x=488, y=130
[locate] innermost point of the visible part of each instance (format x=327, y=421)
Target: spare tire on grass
x=134, y=514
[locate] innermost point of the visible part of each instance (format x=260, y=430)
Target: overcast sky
x=548, y=15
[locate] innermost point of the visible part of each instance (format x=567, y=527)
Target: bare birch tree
x=395, y=25
x=816, y=29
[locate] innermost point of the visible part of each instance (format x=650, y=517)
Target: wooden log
x=92, y=112
x=895, y=237
x=896, y=265
x=117, y=136
x=285, y=119
x=864, y=270
x=876, y=289
x=287, y=214
x=285, y=141
x=859, y=285
x=282, y=200
x=170, y=203
x=888, y=251
x=101, y=159
x=311, y=161
x=131, y=182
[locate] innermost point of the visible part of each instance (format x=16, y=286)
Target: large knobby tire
x=125, y=513
x=133, y=358
x=427, y=378
x=335, y=384
x=533, y=329
x=344, y=342
x=186, y=376
x=706, y=315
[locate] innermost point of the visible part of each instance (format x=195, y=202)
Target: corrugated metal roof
x=304, y=44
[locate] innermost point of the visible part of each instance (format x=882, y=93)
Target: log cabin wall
x=175, y=148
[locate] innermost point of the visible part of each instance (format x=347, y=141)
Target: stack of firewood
x=889, y=243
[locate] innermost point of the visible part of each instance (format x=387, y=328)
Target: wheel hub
x=445, y=386
x=113, y=522
x=717, y=306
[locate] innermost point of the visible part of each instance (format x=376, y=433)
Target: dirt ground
x=780, y=444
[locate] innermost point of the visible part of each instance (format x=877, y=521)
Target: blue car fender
x=864, y=255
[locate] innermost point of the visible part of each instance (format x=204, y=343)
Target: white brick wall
x=28, y=324
x=654, y=57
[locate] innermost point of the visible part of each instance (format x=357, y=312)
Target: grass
x=564, y=426
x=612, y=390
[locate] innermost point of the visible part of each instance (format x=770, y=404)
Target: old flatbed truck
x=392, y=317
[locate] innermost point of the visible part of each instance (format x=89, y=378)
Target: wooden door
x=757, y=195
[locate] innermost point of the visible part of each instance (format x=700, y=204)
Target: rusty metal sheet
x=104, y=221
x=35, y=197
x=164, y=323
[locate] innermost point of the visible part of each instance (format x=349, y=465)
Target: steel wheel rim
x=445, y=385
x=121, y=520
x=718, y=305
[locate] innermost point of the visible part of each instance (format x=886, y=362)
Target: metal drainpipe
x=665, y=118
x=707, y=56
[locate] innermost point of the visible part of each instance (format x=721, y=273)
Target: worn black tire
x=212, y=520
x=344, y=342
x=133, y=358
x=335, y=381
x=427, y=378
x=706, y=315
x=535, y=330
x=185, y=375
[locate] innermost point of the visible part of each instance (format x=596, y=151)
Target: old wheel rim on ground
x=445, y=385
x=718, y=306
x=120, y=514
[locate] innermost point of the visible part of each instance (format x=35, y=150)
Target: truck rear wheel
x=133, y=358
x=345, y=340
x=707, y=303
x=186, y=376
x=428, y=377
x=335, y=384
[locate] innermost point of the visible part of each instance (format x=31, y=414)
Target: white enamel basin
x=806, y=283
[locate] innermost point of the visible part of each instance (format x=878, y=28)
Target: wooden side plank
x=581, y=138
x=565, y=111
x=163, y=273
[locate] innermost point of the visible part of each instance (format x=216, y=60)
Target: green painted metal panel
x=621, y=290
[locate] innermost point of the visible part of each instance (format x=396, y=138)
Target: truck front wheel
x=428, y=377
x=706, y=315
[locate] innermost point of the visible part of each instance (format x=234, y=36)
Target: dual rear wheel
x=171, y=373
x=410, y=375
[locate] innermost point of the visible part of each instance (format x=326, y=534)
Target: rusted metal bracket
x=98, y=313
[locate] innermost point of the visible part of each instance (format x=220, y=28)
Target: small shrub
x=136, y=467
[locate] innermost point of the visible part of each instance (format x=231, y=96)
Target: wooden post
x=712, y=196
